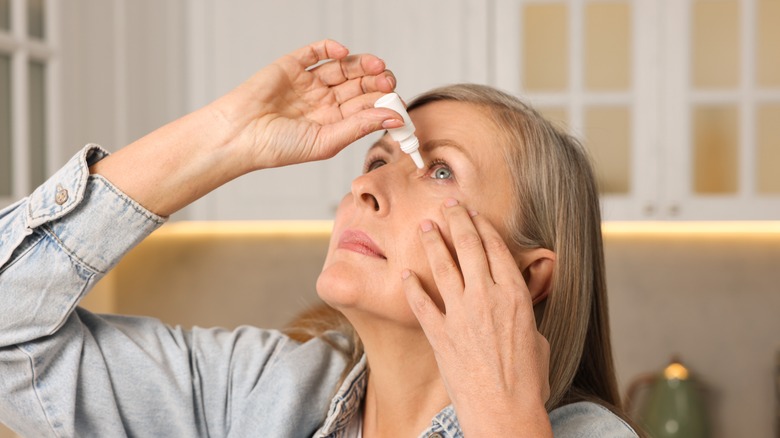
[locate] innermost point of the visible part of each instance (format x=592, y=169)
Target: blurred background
x=677, y=100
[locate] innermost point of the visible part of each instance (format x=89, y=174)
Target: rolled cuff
x=95, y=222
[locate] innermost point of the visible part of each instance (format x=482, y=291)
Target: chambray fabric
x=66, y=372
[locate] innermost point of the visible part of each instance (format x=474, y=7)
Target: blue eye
x=440, y=170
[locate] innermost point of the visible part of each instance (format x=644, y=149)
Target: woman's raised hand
x=493, y=361
x=293, y=111
x=297, y=110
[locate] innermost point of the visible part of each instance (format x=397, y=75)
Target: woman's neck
x=405, y=390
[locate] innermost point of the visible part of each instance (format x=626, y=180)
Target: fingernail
x=405, y=274
x=392, y=123
x=472, y=213
x=426, y=226
x=450, y=202
x=391, y=81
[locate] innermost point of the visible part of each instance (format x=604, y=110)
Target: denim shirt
x=67, y=372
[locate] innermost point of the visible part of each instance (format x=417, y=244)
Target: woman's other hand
x=308, y=105
x=493, y=360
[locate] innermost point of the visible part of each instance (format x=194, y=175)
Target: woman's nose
x=369, y=193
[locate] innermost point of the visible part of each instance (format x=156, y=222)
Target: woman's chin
x=338, y=288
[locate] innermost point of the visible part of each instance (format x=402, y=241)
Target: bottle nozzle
x=405, y=134
x=417, y=158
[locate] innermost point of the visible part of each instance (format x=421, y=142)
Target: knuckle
x=444, y=268
x=494, y=244
x=344, y=70
x=468, y=240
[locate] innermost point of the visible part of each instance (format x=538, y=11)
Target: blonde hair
x=556, y=207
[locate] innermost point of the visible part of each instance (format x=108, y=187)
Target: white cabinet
x=678, y=100
x=230, y=41
x=425, y=43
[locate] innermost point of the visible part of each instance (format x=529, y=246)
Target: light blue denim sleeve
x=55, y=244
x=67, y=372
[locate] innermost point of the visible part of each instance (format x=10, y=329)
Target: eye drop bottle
x=405, y=134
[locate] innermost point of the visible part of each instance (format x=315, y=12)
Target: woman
x=437, y=271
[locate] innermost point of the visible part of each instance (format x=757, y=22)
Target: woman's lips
x=359, y=242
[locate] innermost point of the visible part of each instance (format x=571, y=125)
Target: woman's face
x=376, y=229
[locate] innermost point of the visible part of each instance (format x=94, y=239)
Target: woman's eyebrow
x=382, y=144
x=431, y=145
x=426, y=147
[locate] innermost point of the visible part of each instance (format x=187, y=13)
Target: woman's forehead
x=468, y=125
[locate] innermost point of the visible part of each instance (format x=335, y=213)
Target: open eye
x=440, y=170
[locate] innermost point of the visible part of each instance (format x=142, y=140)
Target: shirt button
x=435, y=435
x=61, y=196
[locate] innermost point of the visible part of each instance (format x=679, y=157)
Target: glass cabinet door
x=588, y=66
x=677, y=101
x=724, y=104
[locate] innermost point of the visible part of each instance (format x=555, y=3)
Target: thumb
x=334, y=137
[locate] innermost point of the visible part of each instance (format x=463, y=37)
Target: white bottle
x=405, y=134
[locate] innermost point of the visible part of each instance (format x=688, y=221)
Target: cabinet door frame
x=22, y=49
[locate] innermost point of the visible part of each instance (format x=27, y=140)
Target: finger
x=334, y=137
x=383, y=83
x=351, y=67
x=468, y=244
x=430, y=317
x=319, y=51
x=446, y=273
x=363, y=102
x=502, y=264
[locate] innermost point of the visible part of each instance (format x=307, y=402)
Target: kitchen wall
x=713, y=301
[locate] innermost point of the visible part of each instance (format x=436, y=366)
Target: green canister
x=673, y=405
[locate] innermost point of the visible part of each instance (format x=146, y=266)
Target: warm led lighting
x=615, y=228
x=698, y=228
x=243, y=228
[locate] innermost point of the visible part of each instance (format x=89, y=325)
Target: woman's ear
x=537, y=266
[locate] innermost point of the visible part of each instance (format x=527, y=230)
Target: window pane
x=715, y=44
x=5, y=14
x=5, y=126
x=607, y=45
x=545, y=47
x=35, y=19
x=768, y=43
x=768, y=156
x=608, y=138
x=559, y=116
x=715, y=159
x=37, y=123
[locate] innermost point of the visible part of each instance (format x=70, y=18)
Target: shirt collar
x=350, y=395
